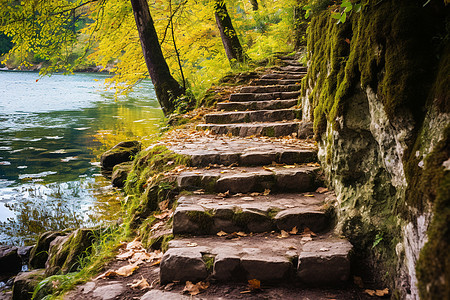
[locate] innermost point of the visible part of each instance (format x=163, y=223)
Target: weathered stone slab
x=224, y=150
x=183, y=264
x=325, y=262
x=249, y=129
x=299, y=69
x=209, y=214
x=109, y=291
x=253, y=116
x=265, y=257
x=261, y=82
x=158, y=294
x=283, y=76
x=120, y=153
x=256, y=105
x=249, y=179
x=243, y=97
x=276, y=86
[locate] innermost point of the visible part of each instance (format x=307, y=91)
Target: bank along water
x=52, y=132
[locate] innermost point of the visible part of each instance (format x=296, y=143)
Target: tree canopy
x=65, y=34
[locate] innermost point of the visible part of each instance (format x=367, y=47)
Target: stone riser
x=199, y=215
x=257, y=105
x=263, y=129
x=245, y=180
x=251, y=159
x=253, y=116
x=270, y=88
x=244, y=97
x=298, y=69
x=271, y=260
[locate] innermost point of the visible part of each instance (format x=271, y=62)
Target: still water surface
x=52, y=132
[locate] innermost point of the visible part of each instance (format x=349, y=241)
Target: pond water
x=52, y=133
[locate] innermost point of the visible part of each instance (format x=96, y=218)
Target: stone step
x=300, y=178
x=222, y=150
x=210, y=214
x=258, y=82
x=271, y=88
x=245, y=97
x=253, y=116
x=265, y=257
x=299, y=69
x=292, y=62
x=248, y=129
x=283, y=76
x=257, y=105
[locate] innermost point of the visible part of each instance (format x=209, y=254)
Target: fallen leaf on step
x=240, y=233
x=255, y=194
x=156, y=263
x=224, y=195
x=127, y=270
x=134, y=245
x=140, y=284
x=308, y=195
x=195, y=289
x=289, y=166
x=294, y=230
x=266, y=192
x=370, y=292
x=199, y=192
x=163, y=215
x=222, y=233
x=254, y=284
x=292, y=248
x=306, y=239
x=321, y=190
x=192, y=245
x=308, y=232
x=284, y=234
x=271, y=169
x=125, y=255
x=381, y=293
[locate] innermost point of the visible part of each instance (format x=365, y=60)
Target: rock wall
x=377, y=92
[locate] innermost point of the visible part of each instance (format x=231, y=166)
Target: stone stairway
x=254, y=207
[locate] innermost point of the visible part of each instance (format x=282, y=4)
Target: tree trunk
x=166, y=87
x=230, y=40
x=255, y=5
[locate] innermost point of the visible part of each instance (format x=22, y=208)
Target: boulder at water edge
x=120, y=153
x=25, y=283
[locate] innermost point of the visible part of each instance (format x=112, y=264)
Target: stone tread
x=267, y=81
x=244, y=97
x=272, y=129
x=243, y=151
x=257, y=105
x=279, y=75
x=299, y=178
x=253, y=116
x=265, y=257
x=276, y=88
x=209, y=214
x=299, y=69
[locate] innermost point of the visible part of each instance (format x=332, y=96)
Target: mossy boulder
x=120, y=173
x=25, y=283
x=122, y=152
x=39, y=254
x=65, y=251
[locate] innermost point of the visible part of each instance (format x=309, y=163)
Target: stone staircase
x=256, y=209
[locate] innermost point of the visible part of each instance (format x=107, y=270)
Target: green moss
x=146, y=184
x=209, y=261
x=389, y=47
x=165, y=242
x=432, y=184
x=204, y=219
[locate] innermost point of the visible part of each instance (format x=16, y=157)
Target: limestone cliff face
x=377, y=92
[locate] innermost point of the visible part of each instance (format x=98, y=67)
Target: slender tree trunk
x=300, y=25
x=166, y=87
x=230, y=40
x=255, y=5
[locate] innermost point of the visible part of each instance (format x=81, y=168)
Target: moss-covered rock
x=39, y=254
x=122, y=152
x=66, y=251
x=120, y=174
x=377, y=93
x=25, y=283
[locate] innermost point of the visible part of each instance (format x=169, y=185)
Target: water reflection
x=52, y=133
